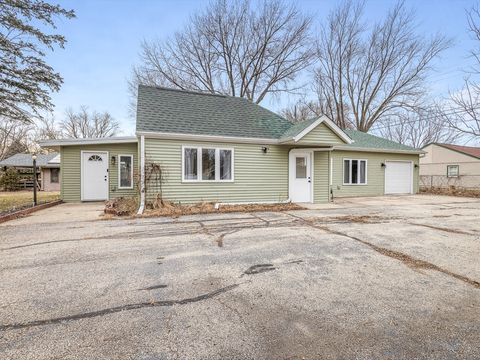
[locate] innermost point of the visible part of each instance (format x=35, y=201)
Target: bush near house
x=9, y=180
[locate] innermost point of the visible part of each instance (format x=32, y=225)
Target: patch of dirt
x=170, y=209
x=363, y=219
x=451, y=191
x=449, y=230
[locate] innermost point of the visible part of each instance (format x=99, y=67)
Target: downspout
x=142, y=176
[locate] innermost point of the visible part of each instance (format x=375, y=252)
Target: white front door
x=300, y=175
x=398, y=177
x=94, y=176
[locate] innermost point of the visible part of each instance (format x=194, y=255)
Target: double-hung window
x=452, y=170
x=125, y=171
x=207, y=164
x=354, y=172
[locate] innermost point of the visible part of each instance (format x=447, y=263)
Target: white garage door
x=398, y=177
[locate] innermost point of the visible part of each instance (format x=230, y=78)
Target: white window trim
x=118, y=171
x=458, y=171
x=350, y=172
x=199, y=164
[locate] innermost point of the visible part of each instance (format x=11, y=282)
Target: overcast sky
x=104, y=41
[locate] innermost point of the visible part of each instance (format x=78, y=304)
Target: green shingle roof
x=369, y=141
x=185, y=112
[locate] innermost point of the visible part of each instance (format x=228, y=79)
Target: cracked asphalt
x=389, y=278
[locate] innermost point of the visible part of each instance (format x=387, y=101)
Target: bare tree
x=464, y=106
x=231, y=48
x=83, y=124
x=25, y=77
x=366, y=74
x=419, y=128
x=13, y=137
x=302, y=110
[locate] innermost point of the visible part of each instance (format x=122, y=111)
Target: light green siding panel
x=375, y=173
x=320, y=177
x=321, y=135
x=71, y=169
x=257, y=176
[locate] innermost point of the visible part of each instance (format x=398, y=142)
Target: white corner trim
x=89, y=141
x=330, y=124
x=213, y=138
x=141, y=208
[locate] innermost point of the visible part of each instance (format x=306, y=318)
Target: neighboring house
x=48, y=168
x=226, y=149
x=445, y=165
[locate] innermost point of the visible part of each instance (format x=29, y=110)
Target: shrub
x=9, y=180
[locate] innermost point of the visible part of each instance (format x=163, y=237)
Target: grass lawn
x=12, y=200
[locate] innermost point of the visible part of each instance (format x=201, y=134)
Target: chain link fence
x=468, y=182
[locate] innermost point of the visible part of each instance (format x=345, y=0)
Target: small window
x=301, y=167
x=207, y=164
x=54, y=175
x=225, y=164
x=95, y=158
x=354, y=172
x=190, y=164
x=452, y=170
x=125, y=171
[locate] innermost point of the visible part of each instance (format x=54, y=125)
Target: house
x=229, y=150
x=446, y=165
x=48, y=169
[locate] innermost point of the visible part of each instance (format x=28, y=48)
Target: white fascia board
x=90, y=141
x=388, y=151
x=211, y=138
x=330, y=124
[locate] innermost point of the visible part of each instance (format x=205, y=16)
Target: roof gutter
x=88, y=141
x=392, y=151
x=198, y=137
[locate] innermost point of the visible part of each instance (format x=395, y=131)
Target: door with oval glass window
x=300, y=176
x=94, y=176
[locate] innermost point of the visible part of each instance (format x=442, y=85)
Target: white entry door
x=398, y=177
x=94, y=176
x=300, y=175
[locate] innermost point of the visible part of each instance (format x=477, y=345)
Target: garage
x=398, y=177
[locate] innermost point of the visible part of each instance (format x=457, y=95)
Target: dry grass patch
x=167, y=208
x=17, y=200
x=452, y=191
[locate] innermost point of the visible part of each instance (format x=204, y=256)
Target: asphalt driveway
x=394, y=277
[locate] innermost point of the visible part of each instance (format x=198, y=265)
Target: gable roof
x=301, y=129
x=466, y=150
x=165, y=110
x=25, y=160
x=366, y=141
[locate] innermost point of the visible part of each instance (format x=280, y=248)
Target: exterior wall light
x=264, y=149
x=383, y=165
x=114, y=159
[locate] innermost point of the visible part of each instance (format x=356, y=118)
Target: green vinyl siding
x=71, y=169
x=258, y=176
x=375, y=173
x=321, y=135
x=320, y=177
